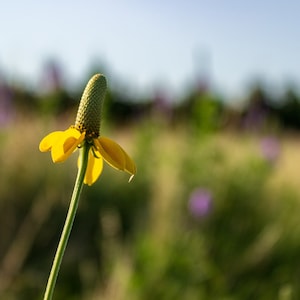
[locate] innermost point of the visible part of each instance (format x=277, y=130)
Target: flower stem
x=84, y=151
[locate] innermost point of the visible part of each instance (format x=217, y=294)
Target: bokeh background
x=205, y=98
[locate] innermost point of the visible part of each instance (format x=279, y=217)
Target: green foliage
x=141, y=240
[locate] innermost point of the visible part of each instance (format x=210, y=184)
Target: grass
x=139, y=240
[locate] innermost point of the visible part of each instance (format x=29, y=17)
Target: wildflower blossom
x=200, y=202
x=270, y=149
x=86, y=133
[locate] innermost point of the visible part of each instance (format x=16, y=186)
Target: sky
x=158, y=43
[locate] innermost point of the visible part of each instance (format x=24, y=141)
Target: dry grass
x=287, y=169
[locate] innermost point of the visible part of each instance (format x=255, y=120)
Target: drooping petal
x=49, y=140
x=94, y=167
x=115, y=155
x=130, y=166
x=67, y=142
x=111, y=152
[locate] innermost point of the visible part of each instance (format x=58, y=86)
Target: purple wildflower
x=200, y=202
x=270, y=149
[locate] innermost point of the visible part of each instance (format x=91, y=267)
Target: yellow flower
x=85, y=133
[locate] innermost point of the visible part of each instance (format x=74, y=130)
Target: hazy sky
x=154, y=42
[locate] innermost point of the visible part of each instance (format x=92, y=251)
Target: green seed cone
x=89, y=112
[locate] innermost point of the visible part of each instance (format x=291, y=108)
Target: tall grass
x=143, y=240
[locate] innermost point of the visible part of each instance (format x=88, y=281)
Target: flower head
x=270, y=149
x=86, y=133
x=200, y=202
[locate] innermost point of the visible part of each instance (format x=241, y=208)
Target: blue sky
x=151, y=43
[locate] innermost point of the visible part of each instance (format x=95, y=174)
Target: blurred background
x=205, y=97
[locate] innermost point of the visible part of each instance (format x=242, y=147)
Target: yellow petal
x=115, y=155
x=67, y=142
x=49, y=140
x=130, y=166
x=111, y=152
x=94, y=168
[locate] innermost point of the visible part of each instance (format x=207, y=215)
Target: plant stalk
x=84, y=151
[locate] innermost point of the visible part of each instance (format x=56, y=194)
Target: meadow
x=211, y=214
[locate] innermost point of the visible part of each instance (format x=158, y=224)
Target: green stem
x=84, y=151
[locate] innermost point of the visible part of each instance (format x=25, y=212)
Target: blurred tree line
x=200, y=105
